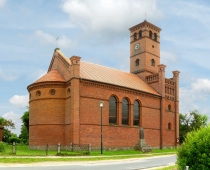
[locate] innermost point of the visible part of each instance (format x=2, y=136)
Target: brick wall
x=47, y=111
x=116, y=135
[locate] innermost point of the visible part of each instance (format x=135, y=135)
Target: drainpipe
x=161, y=136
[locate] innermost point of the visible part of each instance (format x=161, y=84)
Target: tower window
x=135, y=36
x=169, y=107
x=68, y=91
x=150, y=34
x=169, y=126
x=137, y=62
x=155, y=36
x=140, y=34
x=153, y=62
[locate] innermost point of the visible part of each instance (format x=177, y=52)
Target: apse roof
x=52, y=75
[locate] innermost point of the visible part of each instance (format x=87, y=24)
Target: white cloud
x=167, y=57
x=47, y=39
x=2, y=3
x=202, y=86
x=15, y=119
x=6, y=76
x=196, y=96
x=193, y=10
x=19, y=101
x=12, y=116
x=110, y=17
x=44, y=38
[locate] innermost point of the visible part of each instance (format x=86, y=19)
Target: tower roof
x=53, y=75
x=145, y=23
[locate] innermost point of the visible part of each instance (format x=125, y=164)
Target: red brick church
x=64, y=103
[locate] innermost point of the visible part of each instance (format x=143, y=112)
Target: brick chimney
x=75, y=60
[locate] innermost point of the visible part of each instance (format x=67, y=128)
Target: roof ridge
x=107, y=67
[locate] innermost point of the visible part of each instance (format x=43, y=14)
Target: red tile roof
x=53, y=75
x=113, y=76
x=102, y=74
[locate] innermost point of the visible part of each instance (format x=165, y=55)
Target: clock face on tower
x=137, y=46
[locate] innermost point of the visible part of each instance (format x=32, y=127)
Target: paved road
x=129, y=164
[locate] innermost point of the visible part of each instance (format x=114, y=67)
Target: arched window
x=140, y=34
x=155, y=36
x=125, y=111
x=136, y=113
x=169, y=107
x=137, y=62
x=152, y=62
x=112, y=110
x=150, y=34
x=169, y=126
x=135, y=36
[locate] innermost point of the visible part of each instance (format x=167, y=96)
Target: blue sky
x=97, y=30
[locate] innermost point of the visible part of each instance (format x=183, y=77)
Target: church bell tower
x=144, y=49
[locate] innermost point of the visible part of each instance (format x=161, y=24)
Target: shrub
x=2, y=146
x=195, y=150
x=14, y=139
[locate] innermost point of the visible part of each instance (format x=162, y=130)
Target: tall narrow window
x=140, y=34
x=155, y=36
x=169, y=126
x=112, y=110
x=169, y=107
x=125, y=111
x=135, y=36
x=136, y=113
x=152, y=62
x=137, y=62
x=150, y=34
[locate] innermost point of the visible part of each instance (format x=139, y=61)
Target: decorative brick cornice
x=48, y=98
x=117, y=88
x=144, y=52
x=46, y=85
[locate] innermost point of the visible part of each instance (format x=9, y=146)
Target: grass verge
x=174, y=167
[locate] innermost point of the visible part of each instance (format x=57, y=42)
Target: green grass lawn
x=22, y=150
x=24, y=155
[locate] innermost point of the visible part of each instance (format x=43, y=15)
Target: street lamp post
x=101, y=106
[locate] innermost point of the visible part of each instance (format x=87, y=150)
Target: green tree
x=195, y=150
x=189, y=122
x=24, y=133
x=25, y=119
x=6, y=135
x=7, y=124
